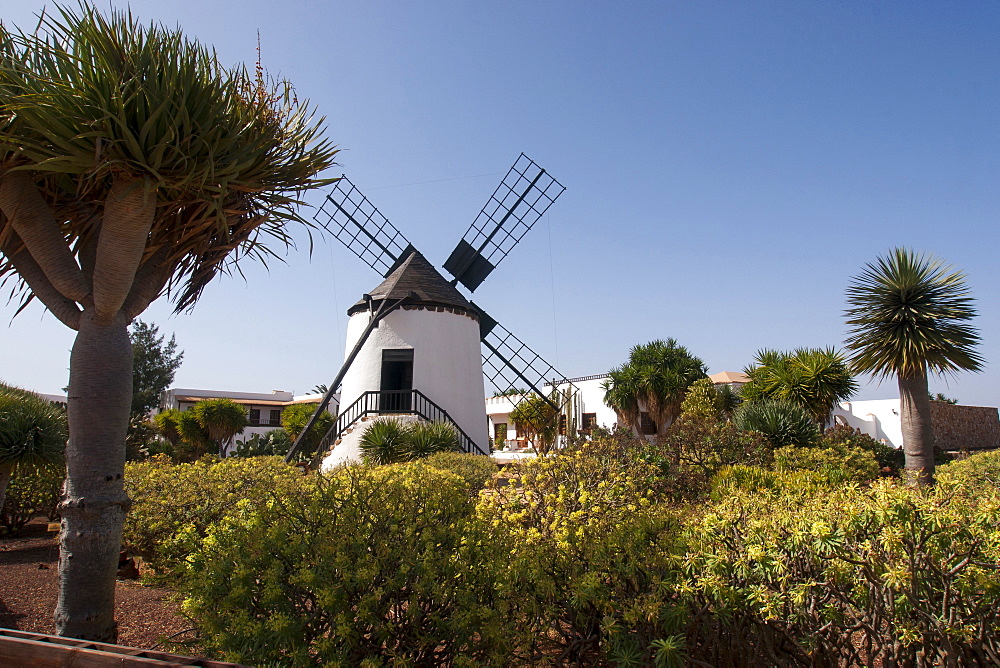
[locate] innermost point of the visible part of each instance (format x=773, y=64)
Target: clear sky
x=729, y=166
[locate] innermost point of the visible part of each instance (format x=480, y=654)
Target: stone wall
x=958, y=427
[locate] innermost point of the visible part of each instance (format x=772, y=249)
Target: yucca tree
x=908, y=315
x=656, y=377
x=132, y=164
x=814, y=378
x=222, y=419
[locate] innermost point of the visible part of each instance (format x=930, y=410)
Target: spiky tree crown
x=908, y=314
x=92, y=98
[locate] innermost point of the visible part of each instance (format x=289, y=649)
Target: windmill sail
x=355, y=221
x=515, y=370
x=523, y=196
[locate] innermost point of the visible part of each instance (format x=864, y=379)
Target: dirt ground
x=29, y=586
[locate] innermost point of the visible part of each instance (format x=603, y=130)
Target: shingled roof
x=415, y=274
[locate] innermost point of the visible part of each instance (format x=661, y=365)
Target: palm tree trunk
x=94, y=501
x=918, y=435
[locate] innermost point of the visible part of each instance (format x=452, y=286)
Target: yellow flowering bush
x=590, y=555
x=369, y=566
x=850, y=575
x=980, y=471
x=174, y=504
x=476, y=470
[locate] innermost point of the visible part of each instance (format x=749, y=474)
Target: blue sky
x=729, y=166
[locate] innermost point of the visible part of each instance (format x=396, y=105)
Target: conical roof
x=415, y=274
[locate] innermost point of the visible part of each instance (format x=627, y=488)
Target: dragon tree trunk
x=94, y=501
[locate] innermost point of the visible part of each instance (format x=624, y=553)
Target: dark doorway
x=397, y=380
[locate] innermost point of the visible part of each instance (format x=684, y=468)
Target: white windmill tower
x=413, y=342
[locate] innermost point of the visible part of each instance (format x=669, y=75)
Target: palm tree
x=814, y=378
x=194, y=439
x=907, y=316
x=656, y=378
x=537, y=419
x=32, y=431
x=222, y=419
x=132, y=164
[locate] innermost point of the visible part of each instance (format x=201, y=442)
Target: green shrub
x=781, y=422
x=696, y=447
x=428, y=438
x=274, y=443
x=647, y=462
x=849, y=576
x=476, y=470
x=836, y=464
x=384, y=442
x=371, y=566
x=843, y=435
x=174, y=504
x=388, y=441
x=980, y=471
x=588, y=550
x=34, y=489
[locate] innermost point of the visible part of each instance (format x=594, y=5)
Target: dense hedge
x=586, y=557
x=475, y=470
x=366, y=567
x=885, y=575
x=174, y=504
x=587, y=545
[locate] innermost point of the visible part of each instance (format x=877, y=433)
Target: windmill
x=415, y=344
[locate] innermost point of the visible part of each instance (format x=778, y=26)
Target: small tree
x=222, y=419
x=656, y=377
x=537, y=420
x=154, y=364
x=295, y=418
x=195, y=440
x=32, y=431
x=132, y=164
x=167, y=425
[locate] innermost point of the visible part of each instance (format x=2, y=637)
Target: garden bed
x=30, y=586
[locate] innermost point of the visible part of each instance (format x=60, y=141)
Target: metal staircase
x=395, y=402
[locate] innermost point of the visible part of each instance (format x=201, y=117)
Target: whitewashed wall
x=447, y=362
x=879, y=418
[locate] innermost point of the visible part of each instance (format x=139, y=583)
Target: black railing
x=396, y=402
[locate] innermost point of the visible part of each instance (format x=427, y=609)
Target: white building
x=587, y=409
x=263, y=409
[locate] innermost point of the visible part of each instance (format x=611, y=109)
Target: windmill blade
x=523, y=196
x=355, y=221
x=515, y=370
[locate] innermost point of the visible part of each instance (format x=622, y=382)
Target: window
x=275, y=420
x=589, y=422
x=562, y=424
x=254, y=417
x=647, y=426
